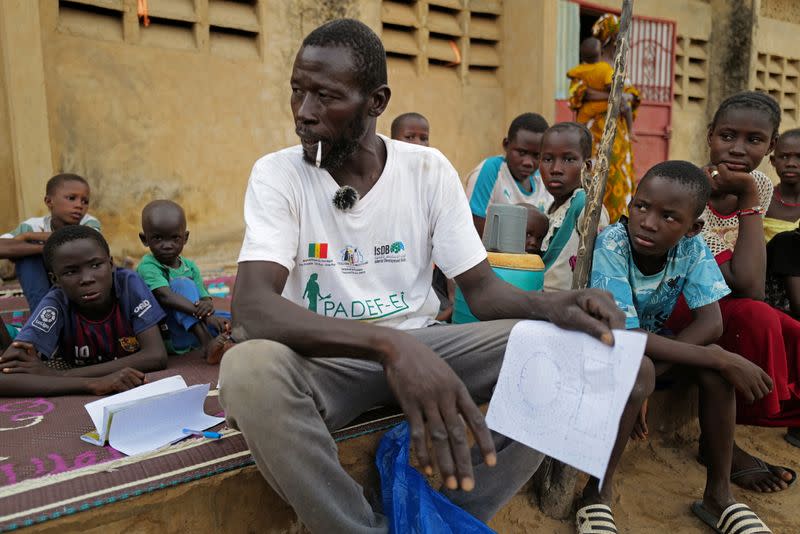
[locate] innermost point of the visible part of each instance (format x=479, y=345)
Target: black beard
x=341, y=149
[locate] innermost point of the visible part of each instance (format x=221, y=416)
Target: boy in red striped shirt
x=102, y=322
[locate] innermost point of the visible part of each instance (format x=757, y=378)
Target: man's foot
x=754, y=474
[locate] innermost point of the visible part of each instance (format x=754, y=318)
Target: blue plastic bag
x=410, y=504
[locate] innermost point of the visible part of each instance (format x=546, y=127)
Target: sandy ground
x=657, y=483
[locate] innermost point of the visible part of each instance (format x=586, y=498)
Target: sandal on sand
x=762, y=467
x=792, y=439
x=595, y=519
x=735, y=519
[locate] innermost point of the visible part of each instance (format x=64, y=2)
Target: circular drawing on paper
x=540, y=381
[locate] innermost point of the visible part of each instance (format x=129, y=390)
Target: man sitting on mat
x=319, y=217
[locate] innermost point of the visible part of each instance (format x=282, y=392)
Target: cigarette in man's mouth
x=319, y=153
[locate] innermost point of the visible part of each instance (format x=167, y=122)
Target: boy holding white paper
x=647, y=262
x=102, y=321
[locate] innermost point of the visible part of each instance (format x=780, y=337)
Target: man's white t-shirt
x=375, y=261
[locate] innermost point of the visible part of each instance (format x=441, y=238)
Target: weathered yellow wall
x=8, y=205
x=788, y=10
x=777, y=65
x=142, y=118
x=144, y=122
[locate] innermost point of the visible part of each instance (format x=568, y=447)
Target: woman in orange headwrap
x=621, y=180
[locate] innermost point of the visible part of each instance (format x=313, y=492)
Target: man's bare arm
x=590, y=310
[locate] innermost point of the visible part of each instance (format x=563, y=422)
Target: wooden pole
x=596, y=186
x=554, y=482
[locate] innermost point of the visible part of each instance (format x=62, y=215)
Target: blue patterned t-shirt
x=648, y=300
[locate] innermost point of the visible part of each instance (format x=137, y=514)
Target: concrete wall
x=8, y=204
x=181, y=109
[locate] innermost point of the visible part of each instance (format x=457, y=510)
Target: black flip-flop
x=735, y=518
x=792, y=439
x=762, y=467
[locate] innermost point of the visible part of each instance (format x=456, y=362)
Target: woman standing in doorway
x=621, y=181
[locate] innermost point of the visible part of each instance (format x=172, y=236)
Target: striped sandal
x=735, y=519
x=595, y=519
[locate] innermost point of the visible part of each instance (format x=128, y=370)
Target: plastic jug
x=505, y=228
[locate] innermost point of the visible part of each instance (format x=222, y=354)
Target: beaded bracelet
x=756, y=210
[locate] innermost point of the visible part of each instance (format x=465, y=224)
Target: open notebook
x=150, y=416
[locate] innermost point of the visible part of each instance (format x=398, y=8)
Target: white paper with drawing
x=562, y=392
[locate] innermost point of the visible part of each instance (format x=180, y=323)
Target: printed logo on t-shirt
x=129, y=344
x=46, y=319
x=390, y=252
x=367, y=309
x=317, y=255
x=351, y=260
x=142, y=307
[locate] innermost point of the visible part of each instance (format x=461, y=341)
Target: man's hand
x=116, y=382
x=203, y=308
x=22, y=357
x=588, y=310
x=750, y=380
x=434, y=401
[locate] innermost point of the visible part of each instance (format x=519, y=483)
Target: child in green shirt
x=176, y=282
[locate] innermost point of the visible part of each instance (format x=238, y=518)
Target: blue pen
x=205, y=433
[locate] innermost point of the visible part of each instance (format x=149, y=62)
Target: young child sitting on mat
x=647, y=262
x=566, y=151
x=102, y=322
x=177, y=284
x=67, y=199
